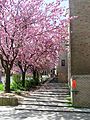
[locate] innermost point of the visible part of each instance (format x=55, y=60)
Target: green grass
x=68, y=98
x=1, y=87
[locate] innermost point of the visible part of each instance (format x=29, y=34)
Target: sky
x=64, y=3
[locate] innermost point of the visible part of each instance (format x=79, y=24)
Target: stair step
x=54, y=93
x=56, y=84
x=50, y=93
x=44, y=95
x=62, y=109
x=45, y=104
x=37, y=107
x=56, y=101
x=43, y=108
x=46, y=87
x=64, y=90
x=56, y=88
x=45, y=98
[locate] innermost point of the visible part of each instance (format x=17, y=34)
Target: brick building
x=79, y=62
x=80, y=37
x=62, y=68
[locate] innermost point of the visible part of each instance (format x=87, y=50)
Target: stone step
x=39, y=107
x=56, y=84
x=53, y=87
x=51, y=93
x=53, y=109
x=46, y=104
x=59, y=90
x=49, y=83
x=44, y=95
x=56, y=88
x=45, y=100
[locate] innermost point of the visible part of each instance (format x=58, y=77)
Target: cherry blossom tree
x=29, y=30
x=10, y=39
x=44, y=29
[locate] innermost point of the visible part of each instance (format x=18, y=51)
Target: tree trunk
x=7, y=82
x=36, y=76
x=23, y=78
x=41, y=78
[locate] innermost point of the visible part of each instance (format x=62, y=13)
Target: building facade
x=62, y=68
x=79, y=65
x=80, y=37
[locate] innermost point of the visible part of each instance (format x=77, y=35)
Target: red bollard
x=74, y=84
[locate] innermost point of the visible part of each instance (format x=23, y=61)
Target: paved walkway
x=47, y=103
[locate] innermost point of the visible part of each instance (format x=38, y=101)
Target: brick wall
x=81, y=95
x=80, y=37
x=62, y=70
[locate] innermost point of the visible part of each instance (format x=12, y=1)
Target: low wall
x=81, y=94
x=8, y=101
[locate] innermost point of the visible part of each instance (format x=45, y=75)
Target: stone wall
x=80, y=37
x=81, y=95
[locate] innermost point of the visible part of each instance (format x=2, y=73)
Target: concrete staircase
x=47, y=103
x=52, y=96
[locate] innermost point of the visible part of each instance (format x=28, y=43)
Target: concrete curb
x=69, y=111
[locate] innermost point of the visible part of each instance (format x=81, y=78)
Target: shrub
x=36, y=81
x=1, y=87
x=29, y=84
x=17, y=82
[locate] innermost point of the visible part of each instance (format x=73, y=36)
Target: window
x=62, y=62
